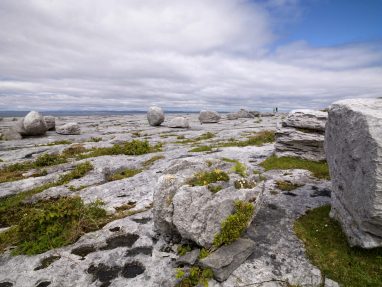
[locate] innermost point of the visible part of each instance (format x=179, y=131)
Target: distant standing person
x=277, y=109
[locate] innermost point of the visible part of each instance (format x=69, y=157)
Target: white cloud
x=129, y=54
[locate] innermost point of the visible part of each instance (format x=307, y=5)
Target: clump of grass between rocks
x=152, y=160
x=12, y=207
x=244, y=183
x=202, y=148
x=214, y=188
x=195, y=276
x=328, y=249
x=287, y=185
x=319, y=169
x=235, y=224
x=183, y=249
x=124, y=174
x=202, y=137
x=207, y=177
x=238, y=168
x=258, y=139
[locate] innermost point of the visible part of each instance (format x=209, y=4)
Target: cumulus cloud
x=115, y=54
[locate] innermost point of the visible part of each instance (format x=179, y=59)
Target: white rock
x=155, y=116
x=209, y=117
x=69, y=129
x=354, y=152
x=34, y=124
x=179, y=122
x=306, y=119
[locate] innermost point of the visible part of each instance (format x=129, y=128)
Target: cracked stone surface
x=127, y=251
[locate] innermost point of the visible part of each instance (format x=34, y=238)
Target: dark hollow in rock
x=46, y=262
x=115, y=229
x=6, y=284
x=124, y=240
x=142, y=220
x=139, y=250
x=321, y=192
x=43, y=284
x=104, y=273
x=83, y=250
x=133, y=269
x=290, y=193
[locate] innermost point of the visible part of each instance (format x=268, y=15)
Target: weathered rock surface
x=69, y=129
x=354, y=152
x=155, y=116
x=179, y=122
x=195, y=213
x=11, y=134
x=302, y=135
x=307, y=119
x=227, y=258
x=50, y=122
x=189, y=258
x=241, y=114
x=206, y=117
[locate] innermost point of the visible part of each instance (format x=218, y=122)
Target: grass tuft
x=124, y=174
x=327, y=248
x=287, y=185
x=202, y=148
x=235, y=224
x=207, y=177
x=258, y=139
x=319, y=169
x=196, y=276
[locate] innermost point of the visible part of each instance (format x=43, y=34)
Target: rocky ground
x=126, y=251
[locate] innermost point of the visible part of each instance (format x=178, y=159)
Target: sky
x=188, y=55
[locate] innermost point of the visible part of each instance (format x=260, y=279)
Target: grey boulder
x=33, y=124
x=241, y=114
x=228, y=258
x=179, y=122
x=50, y=122
x=69, y=129
x=353, y=147
x=155, y=116
x=209, y=117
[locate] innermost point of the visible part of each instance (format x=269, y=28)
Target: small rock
x=69, y=129
x=226, y=259
x=188, y=259
x=209, y=117
x=179, y=122
x=155, y=116
x=50, y=122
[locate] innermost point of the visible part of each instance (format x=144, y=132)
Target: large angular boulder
x=194, y=212
x=179, y=122
x=241, y=114
x=206, y=117
x=155, y=116
x=33, y=124
x=69, y=129
x=50, y=122
x=353, y=147
x=302, y=135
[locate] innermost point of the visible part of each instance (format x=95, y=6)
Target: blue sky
x=337, y=22
x=181, y=54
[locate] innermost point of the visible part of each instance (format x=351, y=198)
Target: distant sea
x=85, y=113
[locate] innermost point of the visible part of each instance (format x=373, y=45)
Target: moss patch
x=287, y=185
x=202, y=148
x=258, y=139
x=214, y=188
x=152, y=160
x=195, y=276
x=207, y=177
x=183, y=249
x=124, y=174
x=327, y=248
x=319, y=169
x=235, y=224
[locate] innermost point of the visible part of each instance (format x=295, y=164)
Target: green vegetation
x=258, y=139
x=235, y=224
x=181, y=137
x=15, y=171
x=287, y=185
x=319, y=169
x=57, y=143
x=12, y=207
x=202, y=148
x=134, y=147
x=207, y=177
x=74, y=150
x=123, y=174
x=52, y=224
x=214, y=188
x=327, y=248
x=196, y=276
x=238, y=168
x=203, y=253
x=183, y=249
x=244, y=183
x=202, y=137
x=95, y=139
x=151, y=161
